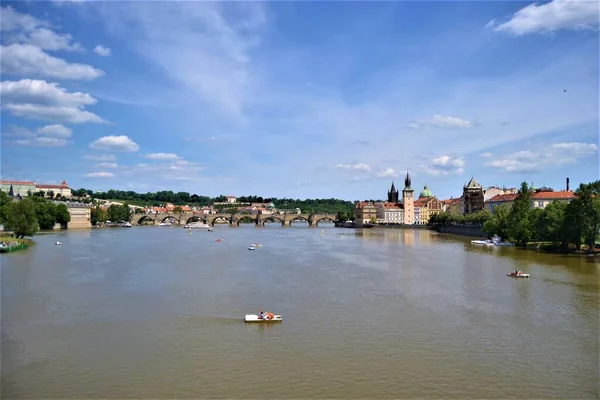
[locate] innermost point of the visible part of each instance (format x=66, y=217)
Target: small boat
x=483, y=242
x=58, y=243
x=196, y=225
x=256, y=245
x=270, y=318
x=518, y=275
x=210, y=229
x=251, y=248
x=165, y=224
x=220, y=240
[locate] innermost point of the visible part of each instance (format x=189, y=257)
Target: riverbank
x=9, y=244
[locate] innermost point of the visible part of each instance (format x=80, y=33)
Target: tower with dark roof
x=408, y=201
x=393, y=194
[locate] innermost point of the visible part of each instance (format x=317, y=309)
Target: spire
x=393, y=188
x=407, y=181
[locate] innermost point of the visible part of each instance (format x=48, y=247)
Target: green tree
x=46, y=214
x=520, y=229
x=51, y=194
x=63, y=216
x=98, y=215
x=178, y=210
x=21, y=218
x=550, y=226
x=119, y=212
x=498, y=222
x=583, y=214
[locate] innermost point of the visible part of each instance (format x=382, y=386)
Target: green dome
x=425, y=192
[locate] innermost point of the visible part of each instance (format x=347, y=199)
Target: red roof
x=17, y=183
x=561, y=195
x=503, y=197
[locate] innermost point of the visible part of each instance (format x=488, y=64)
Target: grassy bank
x=11, y=244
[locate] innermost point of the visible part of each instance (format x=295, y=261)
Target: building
x=81, y=214
x=393, y=195
x=389, y=213
x=18, y=188
x=426, y=206
x=539, y=199
x=472, y=198
x=63, y=189
x=495, y=190
x=365, y=213
x=408, y=201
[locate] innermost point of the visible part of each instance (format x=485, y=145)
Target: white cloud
x=179, y=170
x=442, y=121
x=55, y=130
x=42, y=141
x=162, y=156
x=14, y=20
x=35, y=91
x=101, y=50
x=554, y=155
x=38, y=99
x=45, y=39
x=29, y=60
x=387, y=173
x=356, y=166
x=111, y=165
x=115, y=143
x=445, y=165
x=100, y=157
x=198, y=44
x=550, y=17
x=99, y=175
x=55, y=114
x=486, y=155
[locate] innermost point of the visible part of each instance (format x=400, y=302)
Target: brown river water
x=152, y=312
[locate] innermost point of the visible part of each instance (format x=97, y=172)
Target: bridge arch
x=299, y=218
x=325, y=218
x=220, y=218
x=143, y=218
x=244, y=217
x=166, y=217
x=272, y=218
x=195, y=218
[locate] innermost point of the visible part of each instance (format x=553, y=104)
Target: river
x=152, y=312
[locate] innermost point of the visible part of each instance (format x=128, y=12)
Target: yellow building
x=365, y=213
x=408, y=202
x=81, y=214
x=63, y=189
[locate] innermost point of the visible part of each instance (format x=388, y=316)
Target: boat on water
x=269, y=317
x=58, y=244
x=220, y=240
x=165, y=224
x=483, y=242
x=256, y=245
x=12, y=246
x=196, y=225
x=251, y=248
x=518, y=274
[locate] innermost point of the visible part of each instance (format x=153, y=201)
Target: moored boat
x=483, y=242
x=196, y=225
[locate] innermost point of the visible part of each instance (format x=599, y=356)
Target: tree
x=550, y=226
x=63, y=216
x=22, y=219
x=5, y=201
x=46, y=214
x=498, y=222
x=584, y=215
x=11, y=192
x=98, y=215
x=51, y=194
x=118, y=212
x=519, y=221
x=373, y=219
x=178, y=210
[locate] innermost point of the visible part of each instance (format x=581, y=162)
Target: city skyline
x=299, y=100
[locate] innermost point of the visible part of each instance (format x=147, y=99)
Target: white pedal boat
x=256, y=318
x=518, y=275
x=483, y=242
x=251, y=248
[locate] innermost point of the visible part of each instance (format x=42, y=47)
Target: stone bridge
x=231, y=219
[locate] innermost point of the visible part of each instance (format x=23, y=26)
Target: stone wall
x=462, y=230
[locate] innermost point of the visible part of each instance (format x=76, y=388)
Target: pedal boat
x=257, y=319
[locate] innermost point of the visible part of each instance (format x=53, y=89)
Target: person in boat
x=261, y=314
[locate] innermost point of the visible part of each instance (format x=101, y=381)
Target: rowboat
x=256, y=318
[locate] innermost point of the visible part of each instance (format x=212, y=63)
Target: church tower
x=393, y=194
x=408, y=200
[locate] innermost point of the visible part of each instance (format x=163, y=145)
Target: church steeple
x=393, y=194
x=407, y=182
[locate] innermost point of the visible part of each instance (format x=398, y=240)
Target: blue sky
x=299, y=99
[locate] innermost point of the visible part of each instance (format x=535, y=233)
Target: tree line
x=157, y=199
x=565, y=226
x=27, y=216
x=114, y=213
